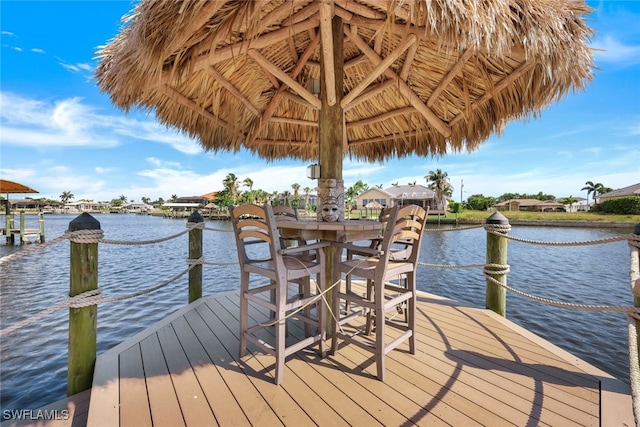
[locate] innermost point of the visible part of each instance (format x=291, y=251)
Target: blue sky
x=59, y=133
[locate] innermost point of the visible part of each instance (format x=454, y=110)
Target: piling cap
x=84, y=221
x=497, y=218
x=195, y=217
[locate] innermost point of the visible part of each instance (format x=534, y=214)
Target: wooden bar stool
x=385, y=262
x=260, y=253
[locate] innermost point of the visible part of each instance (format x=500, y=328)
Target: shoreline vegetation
x=475, y=216
x=575, y=219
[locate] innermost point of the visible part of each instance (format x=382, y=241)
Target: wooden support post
x=41, y=224
x=82, y=321
x=331, y=140
x=195, y=253
x=23, y=237
x=496, y=295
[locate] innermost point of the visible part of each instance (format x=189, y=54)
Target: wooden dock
x=472, y=367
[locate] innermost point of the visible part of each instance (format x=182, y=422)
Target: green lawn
x=548, y=216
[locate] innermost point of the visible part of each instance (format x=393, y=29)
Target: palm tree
x=306, y=190
x=439, y=183
x=230, y=184
x=592, y=188
x=286, y=194
x=569, y=201
x=66, y=196
x=248, y=182
x=295, y=187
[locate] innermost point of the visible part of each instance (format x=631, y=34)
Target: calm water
x=33, y=360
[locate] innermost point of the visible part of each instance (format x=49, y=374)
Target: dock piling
x=41, y=226
x=195, y=253
x=82, y=321
x=496, y=295
x=23, y=236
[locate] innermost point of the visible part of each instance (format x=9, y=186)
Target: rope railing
x=93, y=297
x=490, y=270
x=493, y=271
x=96, y=297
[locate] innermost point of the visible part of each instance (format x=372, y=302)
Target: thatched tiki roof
x=418, y=76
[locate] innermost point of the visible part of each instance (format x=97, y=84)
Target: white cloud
x=37, y=50
x=592, y=150
x=163, y=163
x=611, y=50
x=101, y=170
x=85, y=67
x=72, y=123
x=7, y=33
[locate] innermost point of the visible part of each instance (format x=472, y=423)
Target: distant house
x=200, y=200
x=396, y=195
x=529, y=205
x=190, y=207
x=632, y=190
x=86, y=206
x=415, y=195
x=210, y=196
x=373, y=196
x=580, y=204
x=137, y=207
x=16, y=204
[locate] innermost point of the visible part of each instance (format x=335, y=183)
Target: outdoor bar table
x=340, y=232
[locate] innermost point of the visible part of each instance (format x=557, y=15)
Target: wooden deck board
x=163, y=402
x=471, y=368
x=134, y=405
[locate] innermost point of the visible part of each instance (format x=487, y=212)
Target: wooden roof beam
x=231, y=88
x=275, y=101
x=349, y=64
x=299, y=122
x=204, y=15
x=298, y=99
x=277, y=15
x=360, y=9
x=408, y=61
x=449, y=77
x=379, y=69
x=370, y=92
x=342, y=13
x=283, y=77
x=302, y=15
x=326, y=35
x=183, y=100
x=382, y=117
x=385, y=138
x=236, y=49
x=403, y=87
x=517, y=73
x=384, y=5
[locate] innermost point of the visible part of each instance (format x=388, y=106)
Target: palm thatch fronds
x=420, y=76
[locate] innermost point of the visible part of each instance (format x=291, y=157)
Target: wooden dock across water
x=472, y=367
